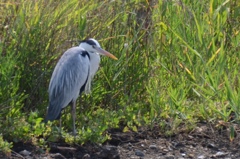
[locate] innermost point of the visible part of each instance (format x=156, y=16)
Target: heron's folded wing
x=70, y=74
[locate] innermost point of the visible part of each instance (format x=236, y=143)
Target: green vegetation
x=178, y=65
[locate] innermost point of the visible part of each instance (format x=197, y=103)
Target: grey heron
x=71, y=76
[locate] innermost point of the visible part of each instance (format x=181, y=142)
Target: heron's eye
x=94, y=46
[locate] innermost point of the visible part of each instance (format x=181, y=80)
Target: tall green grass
x=178, y=64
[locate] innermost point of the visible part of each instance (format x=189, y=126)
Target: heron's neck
x=94, y=62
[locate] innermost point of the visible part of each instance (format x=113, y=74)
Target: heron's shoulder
x=76, y=50
x=73, y=56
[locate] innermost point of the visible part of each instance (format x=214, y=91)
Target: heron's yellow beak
x=104, y=52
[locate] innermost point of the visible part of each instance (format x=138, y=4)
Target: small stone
x=139, y=153
x=165, y=150
x=25, y=153
x=201, y=157
x=153, y=146
x=183, y=154
x=220, y=154
x=130, y=145
x=110, y=148
x=109, y=151
x=190, y=137
x=179, y=144
x=182, y=151
x=86, y=156
x=191, y=155
x=169, y=157
x=57, y=155
x=212, y=146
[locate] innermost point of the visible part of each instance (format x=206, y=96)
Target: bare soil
x=204, y=142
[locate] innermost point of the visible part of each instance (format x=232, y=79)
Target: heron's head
x=92, y=46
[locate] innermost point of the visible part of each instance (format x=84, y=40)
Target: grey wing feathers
x=70, y=74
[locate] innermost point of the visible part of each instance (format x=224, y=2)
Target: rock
x=109, y=151
x=183, y=154
x=179, y=145
x=220, y=154
x=182, y=151
x=191, y=155
x=139, y=153
x=212, y=146
x=130, y=146
x=86, y=156
x=201, y=157
x=153, y=146
x=165, y=150
x=58, y=156
x=110, y=147
x=25, y=153
x=169, y=157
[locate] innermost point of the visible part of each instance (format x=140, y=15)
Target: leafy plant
x=5, y=147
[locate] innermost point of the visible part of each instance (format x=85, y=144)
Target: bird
x=72, y=75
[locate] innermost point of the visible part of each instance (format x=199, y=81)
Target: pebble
x=110, y=148
x=57, y=155
x=130, y=146
x=220, y=154
x=153, y=146
x=212, y=146
x=183, y=154
x=182, y=151
x=191, y=155
x=108, y=151
x=165, y=150
x=169, y=157
x=201, y=157
x=139, y=153
x=86, y=156
x=179, y=144
x=25, y=153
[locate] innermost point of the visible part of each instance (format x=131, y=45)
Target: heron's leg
x=60, y=127
x=74, y=116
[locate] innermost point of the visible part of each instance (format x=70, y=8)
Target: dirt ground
x=204, y=142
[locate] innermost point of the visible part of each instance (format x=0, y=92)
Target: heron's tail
x=52, y=114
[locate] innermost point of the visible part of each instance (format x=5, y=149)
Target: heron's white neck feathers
x=94, y=65
x=94, y=59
